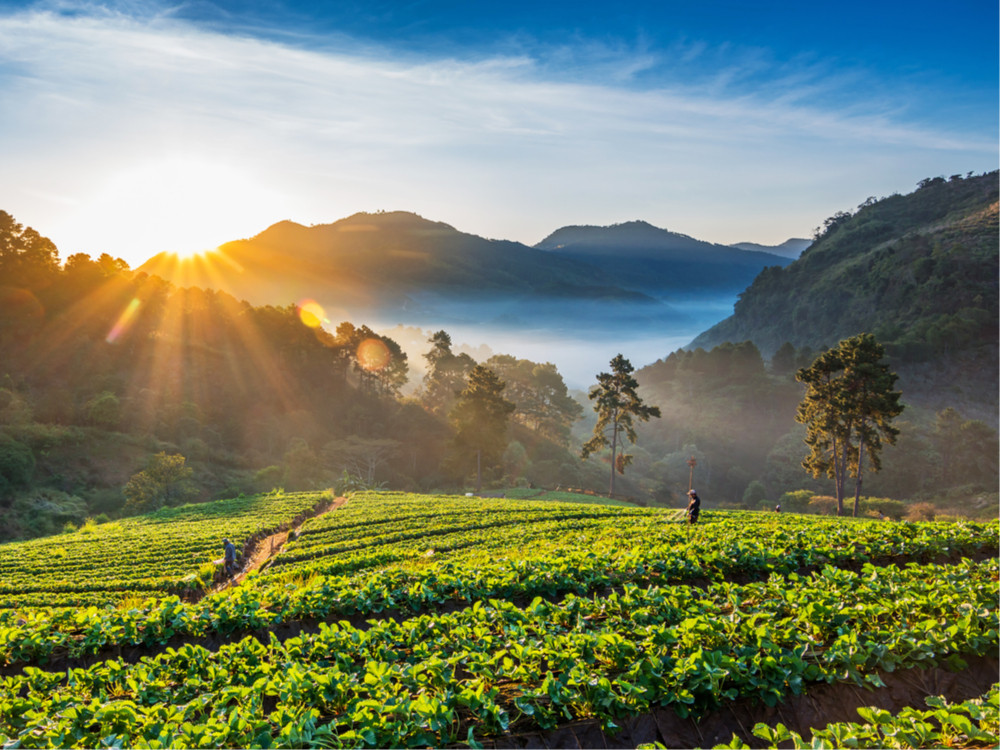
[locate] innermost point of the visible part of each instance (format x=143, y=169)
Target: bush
x=871, y=506
x=921, y=512
x=17, y=465
x=103, y=410
x=796, y=501
x=824, y=505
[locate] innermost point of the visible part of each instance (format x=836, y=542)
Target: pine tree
x=848, y=411
x=480, y=416
x=617, y=405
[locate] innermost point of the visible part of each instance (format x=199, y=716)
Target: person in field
x=777, y=508
x=230, y=556
x=694, y=507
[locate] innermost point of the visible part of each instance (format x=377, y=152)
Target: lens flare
x=124, y=321
x=311, y=313
x=373, y=355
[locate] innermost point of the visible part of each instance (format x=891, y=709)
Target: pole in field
x=692, y=463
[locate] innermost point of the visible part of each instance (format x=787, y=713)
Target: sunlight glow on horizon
x=134, y=136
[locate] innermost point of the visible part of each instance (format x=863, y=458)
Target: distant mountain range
x=789, y=248
x=659, y=262
x=399, y=267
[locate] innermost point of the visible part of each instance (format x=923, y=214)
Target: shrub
x=870, y=506
x=796, y=501
x=824, y=505
x=921, y=512
x=17, y=464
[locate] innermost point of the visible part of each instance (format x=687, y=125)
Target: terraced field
x=402, y=620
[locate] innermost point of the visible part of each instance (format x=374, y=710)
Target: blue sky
x=139, y=126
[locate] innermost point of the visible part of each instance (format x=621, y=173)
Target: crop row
x=151, y=553
x=494, y=667
x=971, y=723
x=583, y=561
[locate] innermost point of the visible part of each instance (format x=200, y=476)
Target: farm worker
x=777, y=508
x=230, y=556
x=694, y=507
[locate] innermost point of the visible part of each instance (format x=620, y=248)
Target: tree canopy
x=618, y=405
x=848, y=409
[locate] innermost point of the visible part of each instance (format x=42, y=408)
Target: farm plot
x=505, y=619
x=162, y=553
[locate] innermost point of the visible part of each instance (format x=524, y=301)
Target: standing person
x=777, y=508
x=694, y=507
x=230, y=556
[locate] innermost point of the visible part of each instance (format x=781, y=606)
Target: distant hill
x=920, y=271
x=398, y=267
x=660, y=262
x=791, y=248
x=379, y=260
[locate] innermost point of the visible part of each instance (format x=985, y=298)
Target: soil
x=258, y=552
x=824, y=704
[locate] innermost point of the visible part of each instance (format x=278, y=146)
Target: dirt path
x=269, y=546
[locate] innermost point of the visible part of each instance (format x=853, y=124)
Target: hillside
x=658, y=261
x=919, y=271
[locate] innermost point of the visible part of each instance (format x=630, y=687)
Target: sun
x=189, y=253
x=184, y=205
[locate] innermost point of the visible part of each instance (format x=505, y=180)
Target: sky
x=141, y=126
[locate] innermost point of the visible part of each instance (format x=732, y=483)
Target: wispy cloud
x=505, y=146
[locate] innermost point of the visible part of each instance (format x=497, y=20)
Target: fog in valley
x=579, y=338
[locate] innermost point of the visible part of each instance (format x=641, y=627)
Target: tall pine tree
x=618, y=404
x=480, y=417
x=848, y=411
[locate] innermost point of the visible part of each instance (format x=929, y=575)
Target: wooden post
x=692, y=463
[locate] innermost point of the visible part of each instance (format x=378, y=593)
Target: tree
x=848, y=411
x=164, y=481
x=618, y=404
x=446, y=374
x=480, y=417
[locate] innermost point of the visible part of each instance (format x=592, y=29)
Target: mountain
x=660, y=262
x=397, y=267
x=382, y=258
x=791, y=248
x=919, y=271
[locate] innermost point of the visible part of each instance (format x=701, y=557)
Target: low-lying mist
x=579, y=337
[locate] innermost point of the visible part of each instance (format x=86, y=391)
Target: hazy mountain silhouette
x=791, y=248
x=659, y=262
x=398, y=267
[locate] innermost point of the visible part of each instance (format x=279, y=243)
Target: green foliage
x=164, y=481
x=848, y=411
x=104, y=410
x=971, y=723
x=43, y=511
x=618, y=405
x=484, y=617
x=481, y=416
x=888, y=507
x=17, y=465
x=796, y=501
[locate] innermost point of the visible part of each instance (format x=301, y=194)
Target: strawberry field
x=170, y=551
x=403, y=620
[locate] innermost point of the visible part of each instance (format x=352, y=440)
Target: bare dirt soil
x=822, y=705
x=258, y=551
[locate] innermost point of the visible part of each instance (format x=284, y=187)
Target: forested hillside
x=103, y=368
x=920, y=271
x=734, y=413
